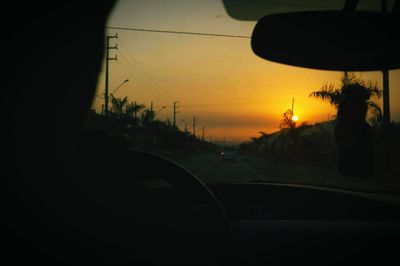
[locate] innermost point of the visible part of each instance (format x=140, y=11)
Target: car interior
x=80, y=197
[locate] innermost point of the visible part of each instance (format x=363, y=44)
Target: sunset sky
x=233, y=93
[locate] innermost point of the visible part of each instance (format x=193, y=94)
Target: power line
x=181, y=32
x=222, y=104
x=143, y=75
x=158, y=87
x=128, y=72
x=140, y=77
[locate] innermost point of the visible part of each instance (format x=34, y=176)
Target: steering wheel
x=153, y=209
x=188, y=211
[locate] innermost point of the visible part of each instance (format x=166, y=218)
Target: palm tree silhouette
x=118, y=105
x=131, y=111
x=147, y=118
x=334, y=94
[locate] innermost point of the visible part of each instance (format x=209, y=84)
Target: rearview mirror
x=330, y=40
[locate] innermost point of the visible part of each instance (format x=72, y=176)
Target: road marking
x=253, y=171
x=207, y=168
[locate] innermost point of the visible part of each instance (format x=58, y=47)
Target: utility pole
x=203, y=133
x=108, y=48
x=194, y=126
x=293, y=106
x=175, y=112
x=186, y=127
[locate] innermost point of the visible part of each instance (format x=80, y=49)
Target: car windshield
x=180, y=79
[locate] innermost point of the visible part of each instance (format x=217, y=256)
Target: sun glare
x=295, y=118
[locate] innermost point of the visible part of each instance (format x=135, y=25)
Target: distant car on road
x=228, y=154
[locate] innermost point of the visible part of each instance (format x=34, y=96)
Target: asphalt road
x=210, y=169
x=214, y=170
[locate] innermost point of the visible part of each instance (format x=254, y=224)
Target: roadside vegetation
x=146, y=131
x=298, y=145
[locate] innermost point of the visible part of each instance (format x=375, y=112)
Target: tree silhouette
x=118, y=105
x=287, y=122
x=147, y=118
x=333, y=93
x=131, y=111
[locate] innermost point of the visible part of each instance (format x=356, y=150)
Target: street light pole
x=119, y=86
x=160, y=110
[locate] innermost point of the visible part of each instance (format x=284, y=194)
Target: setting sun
x=233, y=97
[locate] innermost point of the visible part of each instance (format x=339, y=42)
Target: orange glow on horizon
x=232, y=92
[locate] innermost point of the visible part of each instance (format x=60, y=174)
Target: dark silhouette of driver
x=78, y=198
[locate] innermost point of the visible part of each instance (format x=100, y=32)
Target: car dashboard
x=284, y=224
